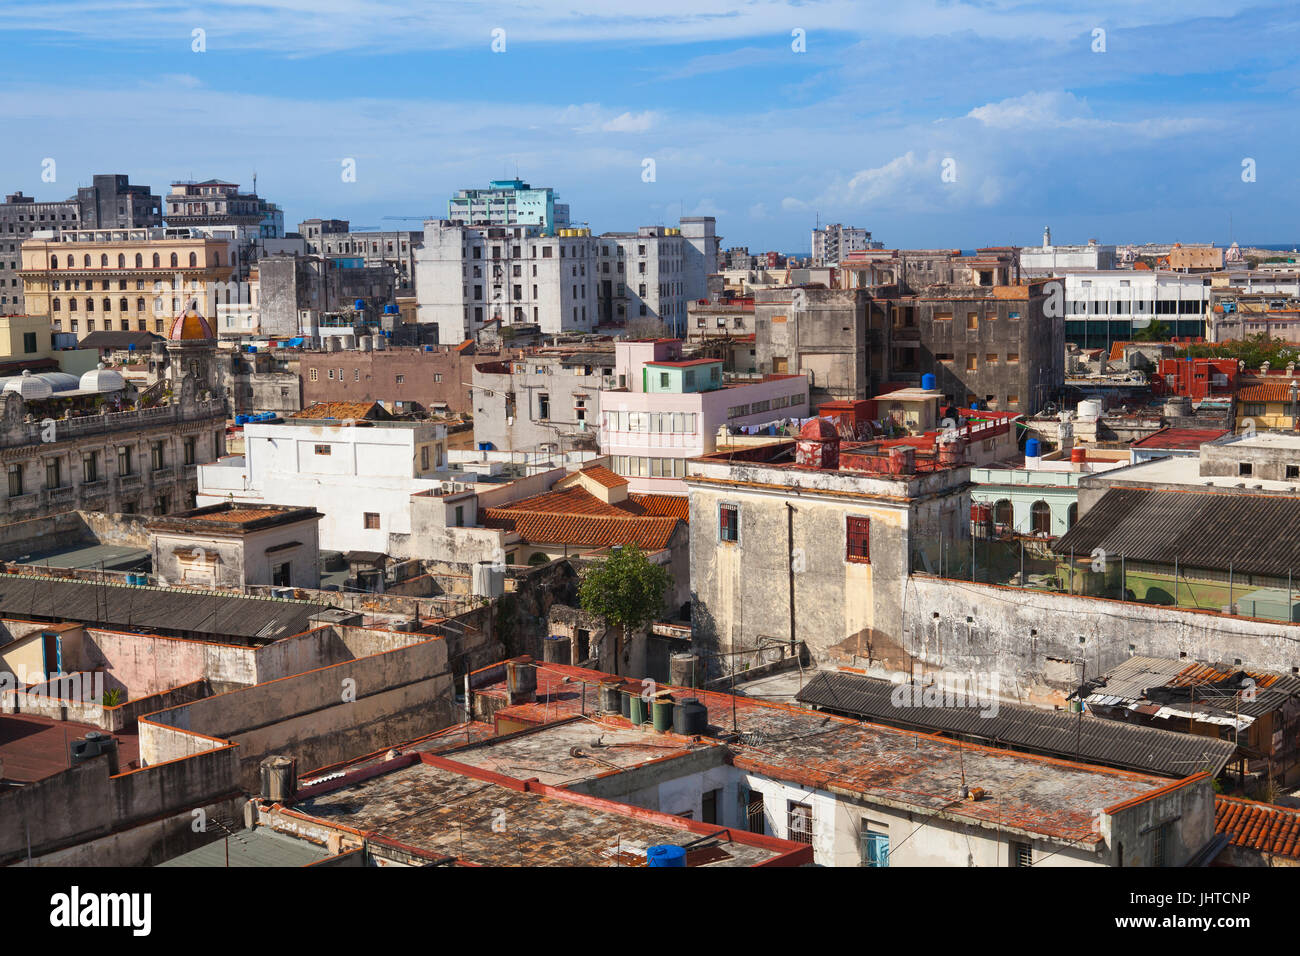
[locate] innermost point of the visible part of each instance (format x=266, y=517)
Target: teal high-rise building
x=508, y=202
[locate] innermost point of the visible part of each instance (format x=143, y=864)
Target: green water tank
x=638, y=709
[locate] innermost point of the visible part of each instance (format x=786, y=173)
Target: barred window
x=729, y=523
x=857, y=533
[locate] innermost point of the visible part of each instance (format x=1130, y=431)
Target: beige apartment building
x=123, y=280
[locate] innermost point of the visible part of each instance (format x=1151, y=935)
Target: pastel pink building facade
x=670, y=410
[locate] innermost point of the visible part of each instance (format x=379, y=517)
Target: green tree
x=1157, y=331
x=626, y=589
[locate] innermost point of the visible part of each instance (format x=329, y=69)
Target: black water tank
x=690, y=717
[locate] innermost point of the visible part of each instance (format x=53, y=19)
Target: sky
x=932, y=123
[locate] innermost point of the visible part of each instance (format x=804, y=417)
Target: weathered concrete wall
x=149, y=843
x=322, y=716
x=1187, y=813
x=85, y=803
x=1038, y=642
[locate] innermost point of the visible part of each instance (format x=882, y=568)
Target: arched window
x=1040, y=518
x=194, y=260
x=90, y=305
x=175, y=261
x=54, y=262
x=139, y=305
x=122, y=305
x=139, y=260
x=72, y=305
x=121, y=260
x=57, y=307
x=1071, y=516
x=103, y=260
x=156, y=261
x=108, y=305
x=216, y=258
x=1003, y=513
x=86, y=260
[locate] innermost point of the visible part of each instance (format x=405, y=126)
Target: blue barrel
x=359, y=304
x=1033, y=448
x=665, y=855
x=928, y=382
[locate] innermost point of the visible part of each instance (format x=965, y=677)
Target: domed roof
x=819, y=429
x=103, y=379
x=190, y=326
x=29, y=387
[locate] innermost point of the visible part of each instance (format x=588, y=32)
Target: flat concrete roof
x=33, y=748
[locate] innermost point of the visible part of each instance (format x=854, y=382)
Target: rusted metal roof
x=1073, y=737
x=1203, y=529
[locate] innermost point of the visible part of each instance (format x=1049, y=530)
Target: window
x=1040, y=518
x=543, y=406
x=1013, y=358
x=156, y=457
x=991, y=358
x=1245, y=469
x=370, y=520
x=709, y=805
x=943, y=356
x=1022, y=854
x=729, y=523
x=90, y=466
x=972, y=363
x=799, y=822
x=752, y=801
x=857, y=533
x=424, y=458
x=401, y=380
x=943, y=317
x=972, y=320
x=189, y=448
x=1160, y=845
x=53, y=473
x=1013, y=399
x=875, y=844
x=460, y=516
x=15, y=480
x=1293, y=471
x=124, y=460
x=280, y=575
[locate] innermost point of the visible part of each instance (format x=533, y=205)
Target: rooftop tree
x=626, y=589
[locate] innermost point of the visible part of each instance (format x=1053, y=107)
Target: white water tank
x=1089, y=409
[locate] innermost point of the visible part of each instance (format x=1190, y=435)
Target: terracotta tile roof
x=1279, y=391
x=575, y=500
x=604, y=476
x=667, y=506
x=240, y=515
x=1259, y=826
x=585, y=531
x=339, y=411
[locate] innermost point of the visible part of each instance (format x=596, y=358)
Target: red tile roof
x=1259, y=826
x=574, y=500
x=1180, y=438
x=667, y=506
x=683, y=363
x=604, y=476
x=1279, y=391
x=584, y=531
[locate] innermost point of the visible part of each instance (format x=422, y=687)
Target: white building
x=834, y=241
x=1050, y=260
x=1112, y=305
x=359, y=476
x=572, y=281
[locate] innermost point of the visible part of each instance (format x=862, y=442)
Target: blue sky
x=1141, y=141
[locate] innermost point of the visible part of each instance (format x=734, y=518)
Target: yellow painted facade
x=133, y=283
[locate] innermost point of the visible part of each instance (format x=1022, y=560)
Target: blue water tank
x=928, y=382
x=241, y=419
x=665, y=855
x=359, y=304
x=390, y=310
x=1033, y=449
x=428, y=348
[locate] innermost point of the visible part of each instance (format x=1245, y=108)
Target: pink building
x=668, y=410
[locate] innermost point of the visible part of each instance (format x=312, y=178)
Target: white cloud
x=630, y=123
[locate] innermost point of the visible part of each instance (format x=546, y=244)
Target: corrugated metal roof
x=1202, y=529
x=167, y=610
x=1130, y=685
x=1086, y=739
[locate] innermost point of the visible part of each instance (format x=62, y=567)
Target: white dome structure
x=101, y=379
x=29, y=387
